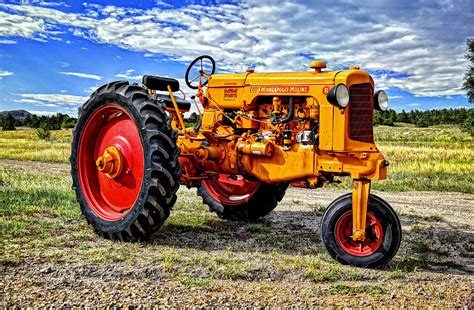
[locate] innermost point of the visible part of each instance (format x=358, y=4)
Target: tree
x=469, y=77
x=193, y=118
x=9, y=123
x=468, y=124
x=422, y=121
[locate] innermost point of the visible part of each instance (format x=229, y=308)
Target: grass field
x=195, y=251
x=49, y=255
x=438, y=158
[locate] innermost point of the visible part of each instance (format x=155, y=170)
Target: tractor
x=257, y=134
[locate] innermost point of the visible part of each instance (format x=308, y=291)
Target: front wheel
x=383, y=233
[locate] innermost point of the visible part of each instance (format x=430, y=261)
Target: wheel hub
x=110, y=163
x=373, y=235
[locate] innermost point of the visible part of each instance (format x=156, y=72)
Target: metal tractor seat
x=161, y=84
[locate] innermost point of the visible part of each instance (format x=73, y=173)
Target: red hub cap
x=373, y=235
x=231, y=191
x=111, y=197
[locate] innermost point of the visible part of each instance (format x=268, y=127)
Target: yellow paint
x=360, y=198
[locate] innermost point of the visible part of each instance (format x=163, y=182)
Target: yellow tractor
x=257, y=133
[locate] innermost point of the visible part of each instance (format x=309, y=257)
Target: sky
x=53, y=54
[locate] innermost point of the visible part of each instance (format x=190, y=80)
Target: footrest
x=183, y=105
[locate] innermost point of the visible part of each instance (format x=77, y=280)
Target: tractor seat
x=183, y=105
x=161, y=84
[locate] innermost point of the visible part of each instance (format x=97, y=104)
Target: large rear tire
x=136, y=202
x=235, y=198
x=383, y=233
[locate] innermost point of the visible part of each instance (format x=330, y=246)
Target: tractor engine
x=299, y=127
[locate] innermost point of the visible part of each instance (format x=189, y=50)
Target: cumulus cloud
x=83, y=75
x=425, y=43
x=19, y=25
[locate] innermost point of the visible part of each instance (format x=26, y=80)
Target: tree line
x=461, y=117
x=52, y=122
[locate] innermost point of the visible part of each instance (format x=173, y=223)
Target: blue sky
x=54, y=53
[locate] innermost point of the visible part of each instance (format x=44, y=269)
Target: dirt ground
x=434, y=265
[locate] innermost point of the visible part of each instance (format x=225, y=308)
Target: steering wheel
x=197, y=68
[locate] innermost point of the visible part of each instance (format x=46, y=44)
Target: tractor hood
x=272, y=78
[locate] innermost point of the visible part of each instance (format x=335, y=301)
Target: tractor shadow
x=429, y=243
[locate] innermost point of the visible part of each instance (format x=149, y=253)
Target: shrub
x=43, y=133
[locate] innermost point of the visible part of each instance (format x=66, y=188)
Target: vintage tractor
x=257, y=133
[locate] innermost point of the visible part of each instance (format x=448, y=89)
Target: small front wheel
x=383, y=233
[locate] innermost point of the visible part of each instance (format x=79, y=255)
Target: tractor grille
x=361, y=113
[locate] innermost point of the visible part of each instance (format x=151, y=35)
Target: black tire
x=383, y=212
x=262, y=203
x=161, y=167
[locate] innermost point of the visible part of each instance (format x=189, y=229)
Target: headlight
x=339, y=96
x=381, y=101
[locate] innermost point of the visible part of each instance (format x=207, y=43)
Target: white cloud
x=53, y=4
x=83, y=75
x=49, y=113
x=27, y=101
x=91, y=89
x=5, y=74
x=163, y=4
x=7, y=42
x=425, y=43
x=127, y=75
x=52, y=100
x=13, y=25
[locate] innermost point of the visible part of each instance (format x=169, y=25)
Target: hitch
x=360, y=199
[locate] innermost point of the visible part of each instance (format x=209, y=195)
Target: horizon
x=53, y=54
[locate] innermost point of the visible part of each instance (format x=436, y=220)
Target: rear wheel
x=124, y=162
x=383, y=233
x=236, y=198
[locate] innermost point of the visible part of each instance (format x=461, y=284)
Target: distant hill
x=17, y=114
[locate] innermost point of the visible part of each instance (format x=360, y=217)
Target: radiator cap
x=317, y=65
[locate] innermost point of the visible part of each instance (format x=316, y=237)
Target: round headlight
x=339, y=96
x=381, y=101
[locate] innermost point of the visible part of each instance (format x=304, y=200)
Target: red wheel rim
x=231, y=191
x=373, y=235
x=111, y=199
